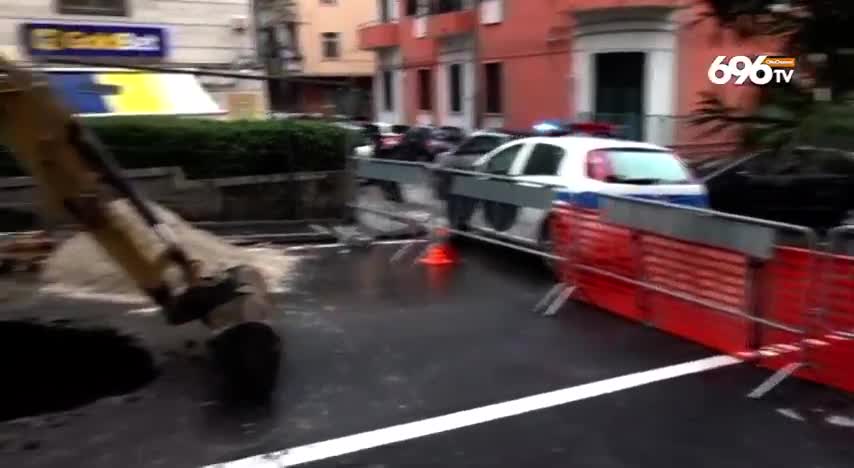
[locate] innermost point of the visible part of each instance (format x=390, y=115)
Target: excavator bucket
x=244, y=346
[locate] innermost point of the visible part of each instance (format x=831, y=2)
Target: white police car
x=582, y=167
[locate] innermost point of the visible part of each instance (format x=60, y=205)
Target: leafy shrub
x=210, y=148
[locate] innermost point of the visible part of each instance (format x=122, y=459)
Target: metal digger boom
x=77, y=175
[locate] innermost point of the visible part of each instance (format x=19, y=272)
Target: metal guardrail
x=751, y=237
x=756, y=242
x=840, y=244
x=468, y=185
x=755, y=239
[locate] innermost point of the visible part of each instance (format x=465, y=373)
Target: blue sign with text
x=93, y=40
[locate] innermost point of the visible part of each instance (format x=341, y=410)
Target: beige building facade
x=318, y=42
x=328, y=37
x=215, y=35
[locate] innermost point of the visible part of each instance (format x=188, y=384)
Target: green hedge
x=207, y=148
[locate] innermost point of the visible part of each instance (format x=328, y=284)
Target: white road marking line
x=393, y=434
x=339, y=244
x=319, y=229
x=144, y=311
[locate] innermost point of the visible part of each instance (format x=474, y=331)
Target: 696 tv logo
x=760, y=71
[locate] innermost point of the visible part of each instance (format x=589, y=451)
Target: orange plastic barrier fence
x=834, y=361
x=796, y=307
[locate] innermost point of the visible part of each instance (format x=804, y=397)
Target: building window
x=388, y=95
x=425, y=90
x=447, y=6
x=93, y=7
x=330, y=45
x=288, y=36
x=411, y=7
x=494, y=94
x=455, y=84
x=385, y=14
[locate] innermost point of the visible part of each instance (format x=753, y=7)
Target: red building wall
x=699, y=45
x=536, y=70
x=415, y=53
x=534, y=44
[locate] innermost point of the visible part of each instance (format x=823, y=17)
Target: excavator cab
x=79, y=176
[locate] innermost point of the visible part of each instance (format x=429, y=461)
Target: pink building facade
x=639, y=63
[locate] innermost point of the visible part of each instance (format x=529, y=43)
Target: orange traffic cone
x=439, y=253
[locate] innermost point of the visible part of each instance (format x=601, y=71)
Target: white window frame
x=324, y=40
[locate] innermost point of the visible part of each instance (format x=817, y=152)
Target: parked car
x=468, y=152
x=580, y=168
x=380, y=137
x=418, y=143
x=446, y=138
x=476, y=145
x=423, y=143
x=812, y=187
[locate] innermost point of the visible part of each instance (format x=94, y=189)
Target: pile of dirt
x=79, y=265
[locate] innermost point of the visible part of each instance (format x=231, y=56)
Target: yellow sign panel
x=94, y=40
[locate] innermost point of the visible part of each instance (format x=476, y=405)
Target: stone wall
x=298, y=196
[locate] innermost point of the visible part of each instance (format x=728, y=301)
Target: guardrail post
x=638, y=260
x=753, y=301
x=351, y=189
x=812, y=317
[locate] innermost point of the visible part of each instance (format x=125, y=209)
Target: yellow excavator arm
x=77, y=175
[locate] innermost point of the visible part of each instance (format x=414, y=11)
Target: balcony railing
x=378, y=35
x=452, y=22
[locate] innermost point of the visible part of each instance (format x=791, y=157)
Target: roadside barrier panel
x=788, y=296
x=834, y=362
x=697, y=292
x=694, y=279
x=402, y=202
x=725, y=281
x=609, y=249
x=428, y=207
x=717, y=279
x=468, y=190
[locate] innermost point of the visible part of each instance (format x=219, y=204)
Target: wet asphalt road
x=372, y=345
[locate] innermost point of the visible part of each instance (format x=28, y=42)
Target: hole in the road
x=48, y=368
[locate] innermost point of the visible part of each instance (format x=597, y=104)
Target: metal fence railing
x=732, y=283
x=399, y=197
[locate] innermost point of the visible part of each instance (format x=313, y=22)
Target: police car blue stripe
x=590, y=200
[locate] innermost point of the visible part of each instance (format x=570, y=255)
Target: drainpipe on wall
x=478, y=75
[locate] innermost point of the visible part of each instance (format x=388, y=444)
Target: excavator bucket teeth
x=245, y=347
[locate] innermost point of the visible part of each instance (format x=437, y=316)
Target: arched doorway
x=624, y=69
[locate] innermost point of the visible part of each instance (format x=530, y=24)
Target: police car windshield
x=630, y=165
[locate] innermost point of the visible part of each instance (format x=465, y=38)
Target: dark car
x=475, y=146
x=470, y=150
x=812, y=187
x=424, y=143
x=380, y=139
